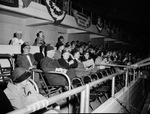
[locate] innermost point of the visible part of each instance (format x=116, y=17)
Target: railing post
x=113, y=87
x=87, y=92
x=134, y=75
x=82, y=101
x=33, y=74
x=126, y=83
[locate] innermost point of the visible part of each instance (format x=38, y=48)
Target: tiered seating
x=102, y=90
x=77, y=82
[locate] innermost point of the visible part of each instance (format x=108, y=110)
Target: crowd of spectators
x=74, y=58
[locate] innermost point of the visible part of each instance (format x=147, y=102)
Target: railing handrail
x=114, y=65
x=41, y=104
x=142, y=61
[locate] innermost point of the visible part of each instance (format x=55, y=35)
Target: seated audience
x=26, y=59
x=73, y=45
x=40, y=55
x=98, y=60
x=92, y=53
x=68, y=47
x=48, y=63
x=103, y=63
x=80, y=70
x=88, y=62
x=67, y=63
x=17, y=39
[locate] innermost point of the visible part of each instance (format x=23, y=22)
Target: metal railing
x=84, y=90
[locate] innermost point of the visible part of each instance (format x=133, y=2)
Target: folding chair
x=98, y=90
x=119, y=82
x=99, y=74
x=109, y=71
x=104, y=73
x=113, y=70
x=77, y=82
x=51, y=90
x=6, y=62
x=6, y=69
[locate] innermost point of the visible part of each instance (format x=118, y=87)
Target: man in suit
x=48, y=63
x=26, y=60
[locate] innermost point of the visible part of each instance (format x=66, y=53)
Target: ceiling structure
x=131, y=15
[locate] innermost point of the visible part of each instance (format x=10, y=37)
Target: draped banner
x=81, y=19
x=55, y=12
x=11, y=3
x=26, y=3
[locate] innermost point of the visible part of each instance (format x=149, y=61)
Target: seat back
x=51, y=90
x=113, y=70
x=109, y=72
x=6, y=63
x=99, y=74
x=104, y=73
x=76, y=82
x=94, y=76
x=86, y=79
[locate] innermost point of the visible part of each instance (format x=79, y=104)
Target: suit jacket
x=38, y=57
x=48, y=64
x=66, y=65
x=22, y=61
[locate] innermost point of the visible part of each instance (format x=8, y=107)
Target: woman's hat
x=20, y=74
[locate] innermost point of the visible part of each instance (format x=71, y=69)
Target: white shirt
x=28, y=57
x=16, y=41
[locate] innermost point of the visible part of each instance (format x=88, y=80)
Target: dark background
x=131, y=15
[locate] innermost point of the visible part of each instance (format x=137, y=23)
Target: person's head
x=73, y=44
x=86, y=55
x=76, y=53
x=19, y=34
x=105, y=59
x=60, y=47
x=102, y=53
x=65, y=54
x=81, y=49
x=25, y=48
x=40, y=34
x=50, y=50
x=61, y=39
x=89, y=43
x=20, y=76
x=68, y=47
